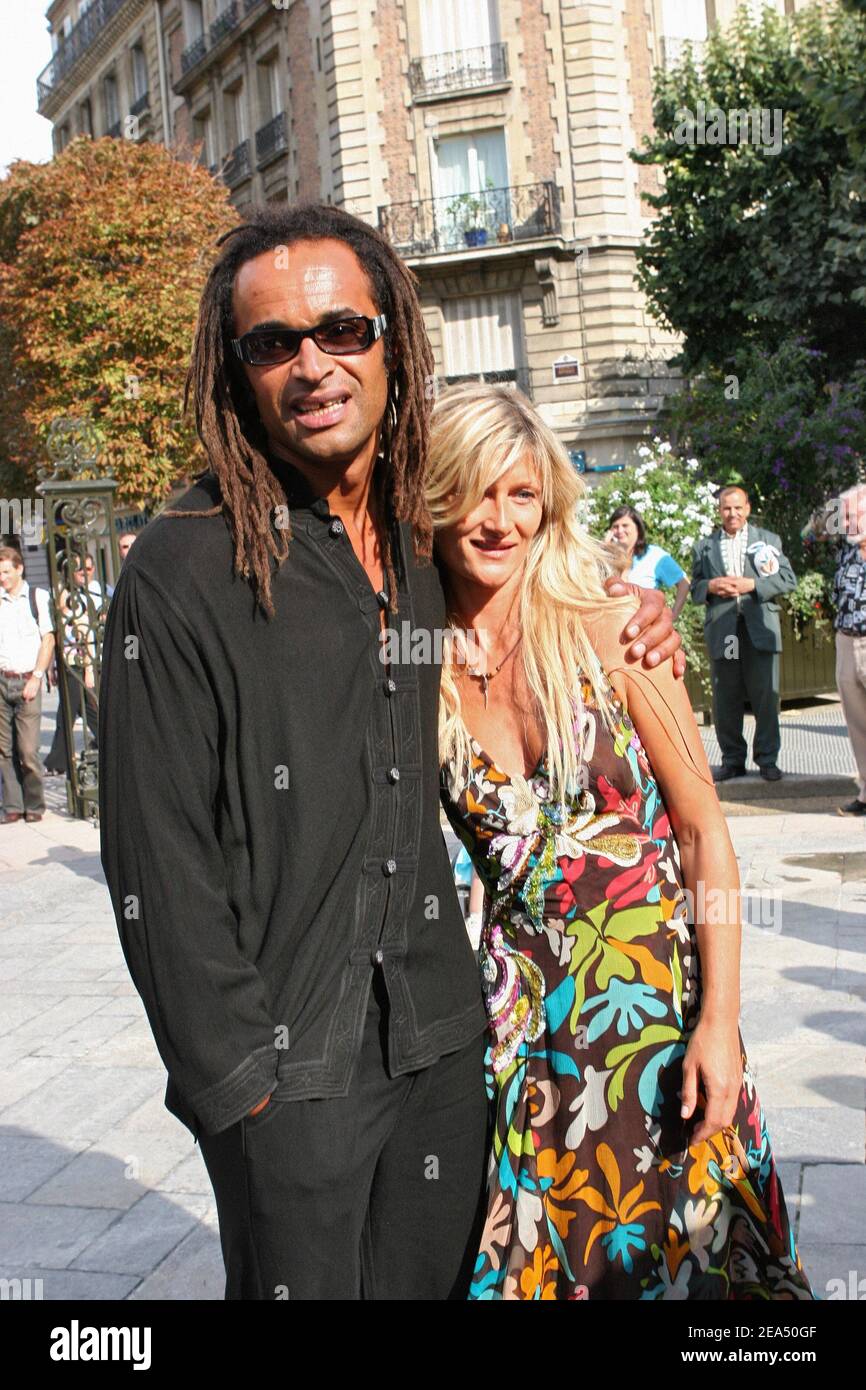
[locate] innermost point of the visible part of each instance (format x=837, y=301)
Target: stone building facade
x=489, y=139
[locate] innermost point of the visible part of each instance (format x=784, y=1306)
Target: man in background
x=738, y=572
x=26, y=647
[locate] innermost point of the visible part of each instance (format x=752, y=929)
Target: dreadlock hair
x=227, y=420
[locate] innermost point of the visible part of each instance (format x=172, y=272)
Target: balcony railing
x=443, y=73
x=238, y=164
x=193, y=53
x=515, y=376
x=225, y=21
x=113, y=131
x=140, y=105
x=71, y=47
x=271, y=140
x=493, y=217
x=674, y=51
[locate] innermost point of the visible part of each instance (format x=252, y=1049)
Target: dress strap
x=635, y=671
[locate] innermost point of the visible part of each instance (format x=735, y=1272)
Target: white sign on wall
x=566, y=368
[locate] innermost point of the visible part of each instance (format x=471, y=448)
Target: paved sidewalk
x=104, y=1195
x=814, y=741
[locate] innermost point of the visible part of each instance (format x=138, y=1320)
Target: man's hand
x=261, y=1105
x=652, y=625
x=31, y=688
x=729, y=585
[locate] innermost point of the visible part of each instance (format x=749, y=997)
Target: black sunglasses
x=265, y=347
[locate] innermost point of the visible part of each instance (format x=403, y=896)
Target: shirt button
x=336, y=528
x=389, y=867
x=393, y=774
x=377, y=957
x=390, y=687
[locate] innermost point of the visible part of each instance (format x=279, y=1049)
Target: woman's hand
x=652, y=625
x=714, y=1062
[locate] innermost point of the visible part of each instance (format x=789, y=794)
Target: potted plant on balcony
x=469, y=212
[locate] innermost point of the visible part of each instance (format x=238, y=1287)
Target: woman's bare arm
x=662, y=715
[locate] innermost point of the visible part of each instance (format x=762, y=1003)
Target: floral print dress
x=591, y=979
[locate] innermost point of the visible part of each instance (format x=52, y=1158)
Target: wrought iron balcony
x=238, y=164
x=140, y=105
x=674, y=51
x=113, y=132
x=271, y=140
x=225, y=21
x=492, y=217
x=441, y=74
x=516, y=376
x=193, y=53
x=74, y=45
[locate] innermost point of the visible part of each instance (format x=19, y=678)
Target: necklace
x=487, y=676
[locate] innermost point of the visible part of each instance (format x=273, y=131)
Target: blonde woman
x=630, y=1157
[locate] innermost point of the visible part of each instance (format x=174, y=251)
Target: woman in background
x=649, y=565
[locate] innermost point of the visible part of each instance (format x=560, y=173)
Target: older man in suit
x=737, y=572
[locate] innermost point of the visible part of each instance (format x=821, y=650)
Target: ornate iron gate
x=79, y=522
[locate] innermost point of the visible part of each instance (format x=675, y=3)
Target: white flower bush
x=677, y=508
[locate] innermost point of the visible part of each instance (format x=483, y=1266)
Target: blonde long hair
x=478, y=432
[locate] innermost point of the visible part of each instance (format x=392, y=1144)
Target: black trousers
x=376, y=1195
x=57, y=759
x=752, y=675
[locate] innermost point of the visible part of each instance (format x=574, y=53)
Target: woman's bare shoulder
x=605, y=627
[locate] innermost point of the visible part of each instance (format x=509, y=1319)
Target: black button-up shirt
x=269, y=813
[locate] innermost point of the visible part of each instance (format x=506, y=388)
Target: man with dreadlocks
x=269, y=788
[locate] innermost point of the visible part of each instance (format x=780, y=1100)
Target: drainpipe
x=163, y=82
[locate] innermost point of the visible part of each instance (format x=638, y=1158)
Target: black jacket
x=269, y=814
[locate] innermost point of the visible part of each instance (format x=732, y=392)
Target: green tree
x=751, y=247
x=777, y=424
x=103, y=255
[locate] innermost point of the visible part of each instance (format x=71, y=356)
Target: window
x=449, y=25
x=193, y=20
x=470, y=179
x=109, y=101
x=683, y=19
x=465, y=163
x=482, y=335
x=59, y=36
x=85, y=117
x=139, y=72
x=270, y=96
x=202, y=130
x=236, y=123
